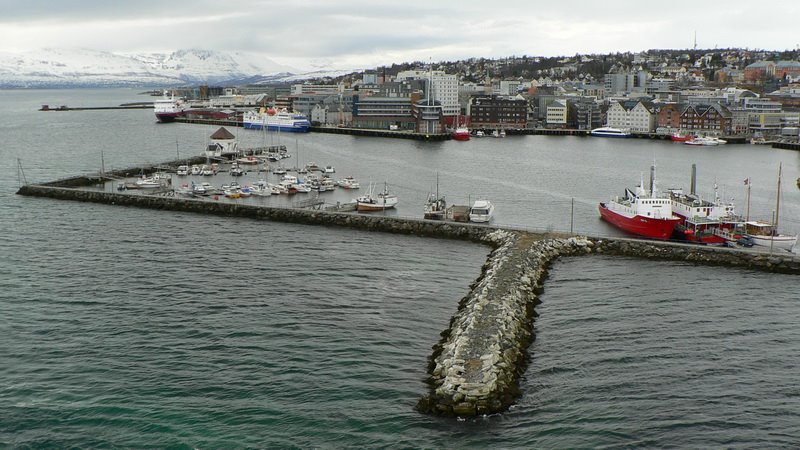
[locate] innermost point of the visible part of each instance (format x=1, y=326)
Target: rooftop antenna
x=430, y=79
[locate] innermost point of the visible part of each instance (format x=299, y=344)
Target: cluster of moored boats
x=679, y=136
x=675, y=214
x=310, y=178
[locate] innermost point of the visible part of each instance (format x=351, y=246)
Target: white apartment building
x=633, y=116
x=557, y=114
x=444, y=88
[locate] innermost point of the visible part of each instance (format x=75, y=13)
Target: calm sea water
x=137, y=328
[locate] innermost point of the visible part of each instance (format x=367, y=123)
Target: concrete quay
x=475, y=368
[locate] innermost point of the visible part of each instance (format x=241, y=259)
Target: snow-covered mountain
x=90, y=68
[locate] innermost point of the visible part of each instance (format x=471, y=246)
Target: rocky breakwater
x=752, y=259
x=476, y=366
x=475, y=369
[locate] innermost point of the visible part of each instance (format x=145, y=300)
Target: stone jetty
x=475, y=368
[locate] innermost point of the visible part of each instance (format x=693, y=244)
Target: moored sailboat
x=766, y=233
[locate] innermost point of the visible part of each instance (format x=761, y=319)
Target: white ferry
x=610, y=132
x=274, y=120
x=167, y=108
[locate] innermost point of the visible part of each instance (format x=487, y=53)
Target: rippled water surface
x=123, y=327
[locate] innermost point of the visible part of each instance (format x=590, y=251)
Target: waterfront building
x=587, y=113
x=498, y=112
x=557, y=113
x=669, y=116
x=714, y=119
x=443, y=88
x=334, y=110
x=383, y=113
x=632, y=115
x=428, y=116
x=304, y=103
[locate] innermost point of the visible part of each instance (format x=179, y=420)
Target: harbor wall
x=368, y=222
x=476, y=366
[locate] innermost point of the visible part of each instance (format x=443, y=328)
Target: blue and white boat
x=610, y=132
x=274, y=120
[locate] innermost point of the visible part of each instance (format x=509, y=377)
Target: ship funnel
x=693, y=189
x=653, y=181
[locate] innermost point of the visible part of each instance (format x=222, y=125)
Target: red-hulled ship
x=642, y=212
x=461, y=134
x=681, y=137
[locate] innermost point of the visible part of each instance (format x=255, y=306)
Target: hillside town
x=705, y=92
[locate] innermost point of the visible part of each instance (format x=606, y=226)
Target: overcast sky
x=367, y=33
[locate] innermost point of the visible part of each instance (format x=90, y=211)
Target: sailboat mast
x=747, y=214
x=777, y=201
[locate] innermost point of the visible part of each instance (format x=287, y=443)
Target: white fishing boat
x=382, y=201
x=182, y=170
x=435, y=207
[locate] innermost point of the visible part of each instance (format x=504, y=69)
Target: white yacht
x=481, y=211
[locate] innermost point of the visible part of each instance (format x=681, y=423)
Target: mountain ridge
x=62, y=68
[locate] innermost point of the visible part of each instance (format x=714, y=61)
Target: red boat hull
x=460, y=136
x=641, y=226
